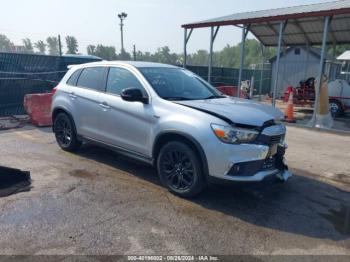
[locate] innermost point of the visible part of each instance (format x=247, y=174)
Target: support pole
x=134, y=52
x=185, y=48
x=307, y=60
x=321, y=66
x=262, y=70
x=59, y=45
x=122, y=36
x=186, y=38
x=210, y=63
x=245, y=30
x=277, y=62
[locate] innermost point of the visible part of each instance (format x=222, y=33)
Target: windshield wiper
x=175, y=98
x=214, y=96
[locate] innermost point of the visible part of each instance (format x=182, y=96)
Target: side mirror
x=133, y=95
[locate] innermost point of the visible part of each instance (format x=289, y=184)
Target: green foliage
x=229, y=56
x=72, y=45
x=40, y=46
x=28, y=46
x=338, y=50
x=5, y=44
x=124, y=56
x=52, y=43
x=105, y=52
x=162, y=55
x=199, y=58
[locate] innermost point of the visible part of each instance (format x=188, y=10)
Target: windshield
x=178, y=84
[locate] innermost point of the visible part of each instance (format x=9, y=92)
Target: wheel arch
x=168, y=136
x=58, y=110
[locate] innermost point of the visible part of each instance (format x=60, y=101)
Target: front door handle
x=104, y=105
x=72, y=95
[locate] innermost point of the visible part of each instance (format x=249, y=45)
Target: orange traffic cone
x=289, y=113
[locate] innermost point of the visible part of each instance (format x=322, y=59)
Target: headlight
x=279, y=121
x=233, y=135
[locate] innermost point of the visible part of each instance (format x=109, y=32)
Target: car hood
x=238, y=111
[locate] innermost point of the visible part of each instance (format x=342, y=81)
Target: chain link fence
x=229, y=77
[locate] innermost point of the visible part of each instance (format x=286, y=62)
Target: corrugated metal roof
x=302, y=9
x=305, y=23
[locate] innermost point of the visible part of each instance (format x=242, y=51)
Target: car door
x=125, y=124
x=86, y=100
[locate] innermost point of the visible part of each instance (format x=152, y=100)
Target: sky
x=150, y=23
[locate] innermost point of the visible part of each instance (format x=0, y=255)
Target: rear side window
x=92, y=77
x=72, y=81
x=120, y=78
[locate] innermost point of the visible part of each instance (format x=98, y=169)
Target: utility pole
x=122, y=16
x=134, y=53
x=59, y=45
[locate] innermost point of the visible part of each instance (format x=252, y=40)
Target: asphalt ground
x=96, y=202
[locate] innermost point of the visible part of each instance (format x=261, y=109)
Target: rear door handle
x=104, y=105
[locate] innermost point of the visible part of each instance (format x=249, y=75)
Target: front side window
x=119, y=79
x=92, y=77
x=178, y=84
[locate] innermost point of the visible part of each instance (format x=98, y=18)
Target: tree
x=52, y=43
x=338, y=50
x=124, y=56
x=28, y=47
x=72, y=45
x=41, y=46
x=5, y=44
x=104, y=52
x=199, y=58
x=91, y=49
x=163, y=55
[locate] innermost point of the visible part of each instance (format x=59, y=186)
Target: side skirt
x=120, y=150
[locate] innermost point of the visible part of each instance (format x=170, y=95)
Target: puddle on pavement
x=340, y=219
x=81, y=173
x=13, y=181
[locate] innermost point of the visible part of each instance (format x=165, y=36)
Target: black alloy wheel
x=179, y=169
x=65, y=133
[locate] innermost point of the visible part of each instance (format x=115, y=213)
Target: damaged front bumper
x=259, y=169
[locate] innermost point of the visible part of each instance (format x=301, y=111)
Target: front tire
x=179, y=169
x=65, y=133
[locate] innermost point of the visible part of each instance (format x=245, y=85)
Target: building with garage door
x=298, y=64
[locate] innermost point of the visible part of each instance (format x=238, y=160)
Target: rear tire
x=65, y=133
x=336, y=107
x=179, y=169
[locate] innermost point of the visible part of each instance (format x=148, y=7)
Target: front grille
x=275, y=139
x=250, y=168
x=268, y=140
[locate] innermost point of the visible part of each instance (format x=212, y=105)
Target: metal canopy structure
x=305, y=23
x=315, y=24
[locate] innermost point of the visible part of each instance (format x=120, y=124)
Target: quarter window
x=92, y=77
x=119, y=79
x=72, y=81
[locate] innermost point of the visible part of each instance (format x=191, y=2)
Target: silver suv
x=168, y=117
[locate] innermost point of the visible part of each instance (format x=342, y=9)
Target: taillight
x=54, y=90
